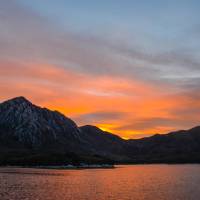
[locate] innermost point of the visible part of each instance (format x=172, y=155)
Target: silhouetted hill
x=176, y=147
x=108, y=144
x=31, y=135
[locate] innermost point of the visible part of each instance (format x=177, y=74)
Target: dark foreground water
x=137, y=182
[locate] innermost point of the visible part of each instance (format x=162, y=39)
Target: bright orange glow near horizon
x=126, y=107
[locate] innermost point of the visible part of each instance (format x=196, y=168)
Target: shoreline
x=62, y=167
x=85, y=166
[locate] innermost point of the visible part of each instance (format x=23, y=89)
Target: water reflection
x=139, y=182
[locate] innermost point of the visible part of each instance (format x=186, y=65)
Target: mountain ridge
x=22, y=99
x=32, y=135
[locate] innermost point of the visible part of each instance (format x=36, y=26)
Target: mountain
x=31, y=135
x=108, y=144
x=176, y=147
x=35, y=126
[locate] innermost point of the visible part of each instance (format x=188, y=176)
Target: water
x=136, y=182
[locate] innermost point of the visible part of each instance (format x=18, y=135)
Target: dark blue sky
x=156, y=19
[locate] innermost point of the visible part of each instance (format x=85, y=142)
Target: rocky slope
x=34, y=126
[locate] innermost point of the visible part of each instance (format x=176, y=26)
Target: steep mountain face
x=31, y=135
x=34, y=126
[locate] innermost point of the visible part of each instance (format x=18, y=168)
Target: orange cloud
x=142, y=108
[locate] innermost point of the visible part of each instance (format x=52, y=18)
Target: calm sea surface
x=134, y=182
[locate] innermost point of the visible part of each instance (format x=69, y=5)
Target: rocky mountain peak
x=18, y=100
x=34, y=125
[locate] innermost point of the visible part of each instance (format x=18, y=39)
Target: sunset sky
x=130, y=67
